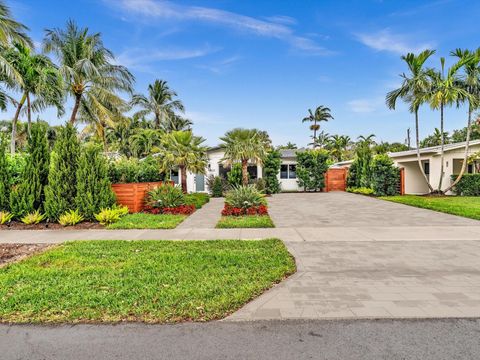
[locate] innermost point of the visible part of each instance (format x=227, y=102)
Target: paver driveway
x=363, y=257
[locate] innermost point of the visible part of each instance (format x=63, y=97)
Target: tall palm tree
x=40, y=79
x=321, y=113
x=176, y=123
x=446, y=90
x=338, y=145
x=322, y=140
x=244, y=145
x=471, y=83
x=183, y=150
x=144, y=140
x=87, y=67
x=161, y=103
x=413, y=89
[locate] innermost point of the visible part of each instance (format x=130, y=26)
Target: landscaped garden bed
x=13, y=252
x=466, y=206
x=245, y=221
x=149, y=281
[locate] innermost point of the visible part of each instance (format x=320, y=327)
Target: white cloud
x=363, y=105
x=221, y=66
x=385, y=40
x=278, y=27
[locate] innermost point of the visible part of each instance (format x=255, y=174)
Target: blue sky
x=264, y=63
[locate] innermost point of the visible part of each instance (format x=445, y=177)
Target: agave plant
x=165, y=196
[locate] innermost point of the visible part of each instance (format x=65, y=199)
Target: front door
x=200, y=182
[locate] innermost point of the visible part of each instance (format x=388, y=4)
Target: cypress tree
x=30, y=195
x=5, y=177
x=94, y=190
x=271, y=168
x=62, y=178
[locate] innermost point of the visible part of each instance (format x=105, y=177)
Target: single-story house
x=197, y=182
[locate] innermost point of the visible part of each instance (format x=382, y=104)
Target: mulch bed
x=13, y=252
x=17, y=225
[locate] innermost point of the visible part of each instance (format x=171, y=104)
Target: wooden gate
x=336, y=179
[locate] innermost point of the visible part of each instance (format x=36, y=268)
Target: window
x=426, y=168
x=288, y=171
x=174, y=176
x=470, y=169
x=252, y=171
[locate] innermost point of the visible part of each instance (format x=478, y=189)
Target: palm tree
x=413, y=89
x=184, y=150
x=144, y=140
x=322, y=140
x=471, y=83
x=176, y=123
x=40, y=78
x=160, y=103
x=321, y=113
x=446, y=89
x=86, y=66
x=435, y=139
x=338, y=145
x=244, y=145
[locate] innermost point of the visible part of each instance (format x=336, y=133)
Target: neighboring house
x=197, y=182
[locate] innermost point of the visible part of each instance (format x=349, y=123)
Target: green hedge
x=469, y=185
x=135, y=171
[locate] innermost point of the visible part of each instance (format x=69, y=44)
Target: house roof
x=433, y=149
x=290, y=153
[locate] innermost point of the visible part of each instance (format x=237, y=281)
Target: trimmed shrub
x=469, y=185
x=70, y=218
x=16, y=167
x=353, y=180
x=133, y=170
x=361, y=190
x=385, y=176
x=94, y=191
x=234, y=176
x=261, y=185
x=271, y=168
x=217, y=186
x=30, y=195
x=311, y=168
x=5, y=176
x=60, y=193
x=197, y=199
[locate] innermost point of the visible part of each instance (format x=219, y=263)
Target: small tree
x=5, y=176
x=234, y=176
x=353, y=178
x=94, y=191
x=271, y=168
x=30, y=195
x=61, y=192
x=385, y=176
x=311, y=168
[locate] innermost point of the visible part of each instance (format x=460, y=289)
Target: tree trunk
x=73, y=118
x=183, y=174
x=314, y=133
x=417, y=139
x=467, y=145
x=245, y=172
x=442, y=151
x=14, y=124
x=29, y=115
x=157, y=121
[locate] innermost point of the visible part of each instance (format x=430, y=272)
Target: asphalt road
x=359, y=339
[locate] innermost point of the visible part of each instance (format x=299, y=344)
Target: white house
x=216, y=167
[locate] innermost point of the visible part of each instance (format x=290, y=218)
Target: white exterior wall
x=288, y=184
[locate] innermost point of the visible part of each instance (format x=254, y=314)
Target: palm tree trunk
x=442, y=151
x=314, y=133
x=29, y=115
x=157, y=121
x=417, y=139
x=245, y=172
x=467, y=145
x=73, y=118
x=183, y=174
x=14, y=124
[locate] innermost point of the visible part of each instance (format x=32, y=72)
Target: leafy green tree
x=144, y=141
x=183, y=150
x=161, y=103
x=435, y=139
x=5, y=176
x=61, y=192
x=40, y=79
x=244, y=145
x=91, y=77
x=413, y=91
x=234, y=176
x=271, y=168
x=338, y=144
x=94, y=191
x=322, y=113
x=288, y=146
x=364, y=156
x=30, y=195
x=311, y=168
x=385, y=176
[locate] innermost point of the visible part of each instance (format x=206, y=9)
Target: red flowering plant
x=167, y=199
x=244, y=200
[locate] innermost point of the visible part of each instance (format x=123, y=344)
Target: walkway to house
x=206, y=217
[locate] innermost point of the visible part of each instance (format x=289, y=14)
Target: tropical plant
x=311, y=168
x=183, y=150
x=244, y=145
x=40, y=79
x=469, y=185
x=288, y=146
x=197, y=199
x=133, y=170
x=5, y=176
x=446, y=90
x=176, y=122
x=5, y=217
x=234, y=176
x=322, y=140
x=91, y=78
x=161, y=103
x=165, y=196
x=413, y=90
x=70, y=218
x=321, y=113
x=217, y=186
x=363, y=158
x=109, y=216
x=33, y=218
x=145, y=141
x=337, y=145
x=271, y=168
x=60, y=193
x=245, y=197
x=435, y=139
x=93, y=187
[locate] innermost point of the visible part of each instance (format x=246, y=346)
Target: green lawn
x=147, y=221
x=466, y=206
x=246, y=221
x=149, y=281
